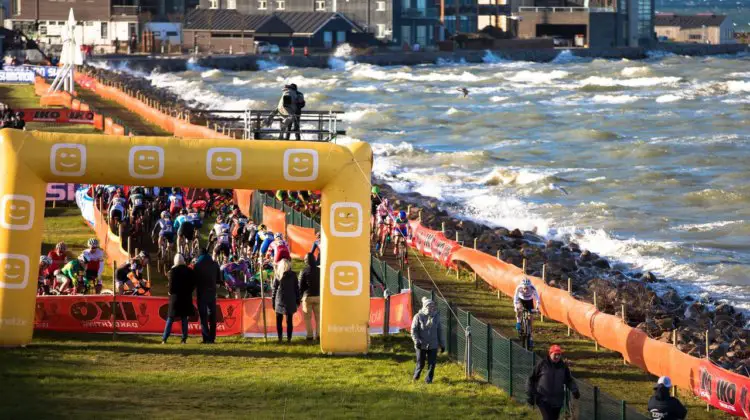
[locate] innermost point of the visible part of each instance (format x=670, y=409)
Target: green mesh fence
x=494, y=357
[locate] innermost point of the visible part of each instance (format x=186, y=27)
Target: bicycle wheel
x=401, y=255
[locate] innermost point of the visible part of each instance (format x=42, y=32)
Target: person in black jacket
x=285, y=297
x=309, y=287
x=663, y=406
x=181, y=285
x=546, y=387
x=207, y=275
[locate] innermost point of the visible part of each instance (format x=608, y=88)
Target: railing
x=493, y=357
x=568, y=9
x=125, y=10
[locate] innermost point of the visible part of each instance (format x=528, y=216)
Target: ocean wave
x=370, y=88
x=614, y=99
x=567, y=57
x=632, y=83
x=212, y=74
x=736, y=86
x=269, y=65
x=367, y=71
x=706, y=227
x=498, y=98
x=670, y=97
x=635, y=71
x=526, y=76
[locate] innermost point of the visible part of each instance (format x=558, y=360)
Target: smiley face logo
x=16, y=212
x=68, y=159
x=146, y=162
x=301, y=165
x=223, y=164
x=346, y=220
x=14, y=271
x=346, y=278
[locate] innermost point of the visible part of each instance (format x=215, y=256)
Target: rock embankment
x=615, y=284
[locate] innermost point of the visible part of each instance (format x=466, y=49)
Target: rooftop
x=279, y=22
x=688, y=21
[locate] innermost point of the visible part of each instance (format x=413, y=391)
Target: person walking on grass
x=181, y=284
x=285, y=297
x=546, y=386
x=309, y=287
x=663, y=406
x=427, y=333
x=207, y=273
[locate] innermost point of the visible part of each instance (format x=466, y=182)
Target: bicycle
x=402, y=252
x=525, y=333
x=164, y=255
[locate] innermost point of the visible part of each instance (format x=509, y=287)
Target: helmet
x=262, y=227
x=45, y=260
x=225, y=230
x=93, y=243
x=61, y=247
x=143, y=255
x=183, y=212
x=175, y=190
x=402, y=215
x=137, y=190
x=526, y=282
x=278, y=235
x=375, y=189
x=219, y=219
x=243, y=220
x=83, y=258
x=164, y=214
x=386, y=202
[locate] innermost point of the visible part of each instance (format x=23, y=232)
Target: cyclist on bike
x=374, y=203
x=523, y=300
x=217, y=228
x=137, y=203
x=251, y=232
x=195, y=218
x=185, y=230
x=223, y=245
x=45, y=275
x=59, y=256
x=117, y=207
x=95, y=266
x=263, y=241
x=165, y=228
x=401, y=232
x=279, y=249
x=176, y=201
x=231, y=271
x=72, y=273
x=238, y=224
x=383, y=216
x=123, y=280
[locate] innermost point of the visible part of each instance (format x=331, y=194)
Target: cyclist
x=117, y=207
x=176, y=201
x=238, y=224
x=59, y=256
x=231, y=271
x=137, y=203
x=263, y=240
x=95, y=265
x=251, y=232
x=223, y=245
x=185, y=229
x=45, y=275
x=165, y=228
x=374, y=203
x=71, y=274
x=279, y=249
x=401, y=232
x=523, y=300
x=217, y=228
x=123, y=279
x=383, y=216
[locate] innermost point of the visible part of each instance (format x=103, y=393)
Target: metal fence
x=494, y=357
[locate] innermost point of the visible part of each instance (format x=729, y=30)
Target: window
x=320, y=5
x=405, y=4
x=697, y=37
x=17, y=7
x=105, y=32
x=381, y=6
x=340, y=37
x=213, y=4
x=381, y=31
x=88, y=23
x=280, y=4
x=231, y=4
x=262, y=5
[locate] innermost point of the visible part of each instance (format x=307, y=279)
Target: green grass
x=109, y=108
x=602, y=368
x=71, y=376
x=23, y=97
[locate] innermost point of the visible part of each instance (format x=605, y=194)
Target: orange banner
x=275, y=220
x=244, y=199
x=300, y=240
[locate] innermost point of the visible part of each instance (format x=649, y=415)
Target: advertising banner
x=48, y=72
x=57, y=115
x=722, y=389
x=61, y=192
x=17, y=76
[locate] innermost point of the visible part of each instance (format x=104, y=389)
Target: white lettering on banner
x=61, y=192
x=353, y=328
x=10, y=76
x=48, y=72
x=346, y=220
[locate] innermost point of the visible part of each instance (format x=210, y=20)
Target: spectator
x=116, y=44
x=309, y=287
x=546, y=387
x=133, y=43
x=207, y=274
x=181, y=285
x=426, y=331
x=285, y=297
x=662, y=405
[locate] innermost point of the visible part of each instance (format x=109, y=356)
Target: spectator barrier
x=148, y=315
x=58, y=115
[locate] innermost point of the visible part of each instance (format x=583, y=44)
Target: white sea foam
x=367, y=71
x=706, y=227
x=211, y=74
x=635, y=71
x=670, y=97
x=370, y=88
x=499, y=98
x=526, y=76
x=614, y=99
x=635, y=82
x=736, y=86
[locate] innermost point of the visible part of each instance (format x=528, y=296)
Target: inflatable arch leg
x=31, y=159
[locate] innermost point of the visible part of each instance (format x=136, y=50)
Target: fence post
x=596, y=343
x=443, y=227
x=408, y=276
x=708, y=405
x=674, y=343
x=114, y=299
x=624, y=321
x=384, y=270
x=596, y=403
x=544, y=279
x=498, y=290
x=570, y=292
x=510, y=367
x=523, y=266
x=623, y=410
x=448, y=345
x=386, y=315
x=489, y=353
x=432, y=295
x=467, y=351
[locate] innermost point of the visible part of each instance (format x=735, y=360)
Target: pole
x=420, y=215
x=570, y=292
x=386, y=315
x=114, y=299
x=443, y=228
x=475, y=243
x=456, y=235
x=467, y=352
x=708, y=406
x=596, y=344
x=674, y=343
x=408, y=275
x=544, y=279
x=524, y=266
x=624, y=321
x=498, y=290
x=263, y=304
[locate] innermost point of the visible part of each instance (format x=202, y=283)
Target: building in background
x=701, y=28
x=390, y=21
x=592, y=23
x=100, y=21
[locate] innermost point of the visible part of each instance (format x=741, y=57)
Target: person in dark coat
x=285, y=297
x=181, y=285
x=309, y=287
x=663, y=406
x=427, y=334
x=207, y=276
x=546, y=387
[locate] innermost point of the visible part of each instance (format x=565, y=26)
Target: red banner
x=134, y=315
x=433, y=243
x=275, y=220
x=728, y=391
x=57, y=115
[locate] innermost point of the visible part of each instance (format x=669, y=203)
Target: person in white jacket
x=95, y=265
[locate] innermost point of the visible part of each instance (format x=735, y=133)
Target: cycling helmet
x=243, y=220
x=526, y=282
x=175, y=190
x=45, y=260
x=375, y=189
x=225, y=230
x=83, y=258
x=386, y=202
x=183, y=212
x=164, y=214
x=402, y=215
x=61, y=247
x=262, y=228
x=143, y=255
x=93, y=243
x=278, y=235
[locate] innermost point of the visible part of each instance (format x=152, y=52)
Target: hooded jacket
x=309, y=278
x=547, y=381
x=662, y=406
x=426, y=330
x=288, y=102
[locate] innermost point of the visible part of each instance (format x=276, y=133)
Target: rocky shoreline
x=615, y=284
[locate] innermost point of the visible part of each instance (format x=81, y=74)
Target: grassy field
x=601, y=368
x=71, y=376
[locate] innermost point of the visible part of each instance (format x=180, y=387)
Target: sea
x=645, y=162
